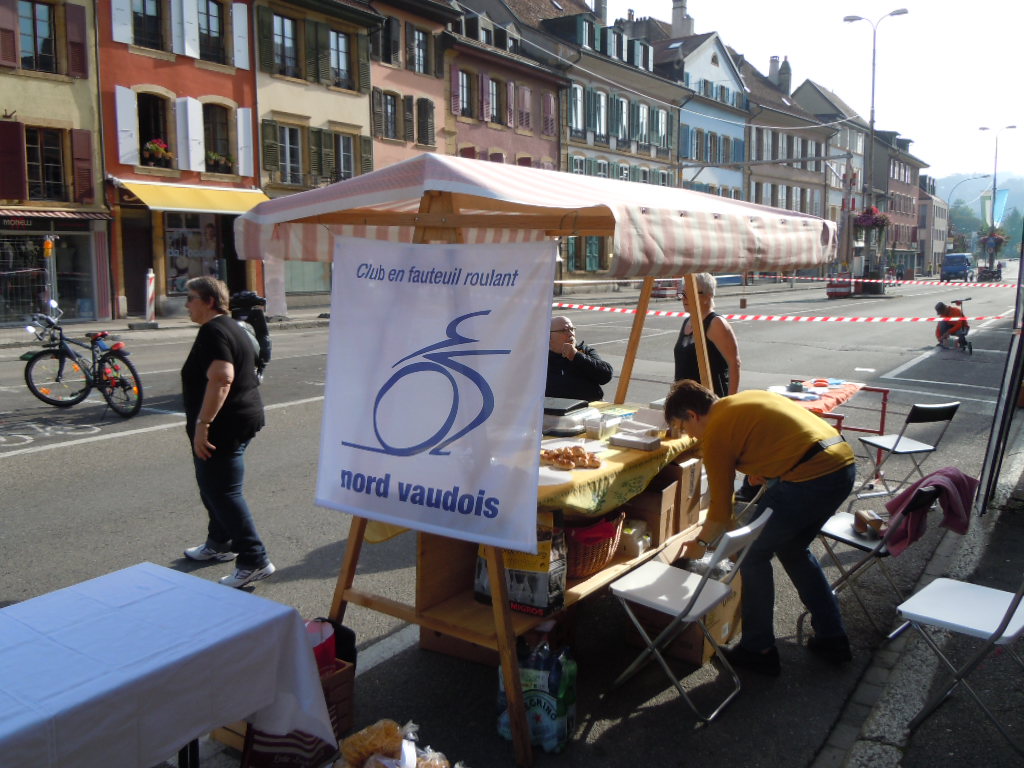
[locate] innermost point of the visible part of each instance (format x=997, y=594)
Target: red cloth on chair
x=956, y=493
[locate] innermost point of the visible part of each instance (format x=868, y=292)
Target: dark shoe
x=764, y=663
x=834, y=650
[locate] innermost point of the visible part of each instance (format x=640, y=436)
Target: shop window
x=45, y=166
x=148, y=23
x=211, y=32
x=285, y=42
x=217, y=139
x=36, y=25
x=341, y=60
x=192, y=248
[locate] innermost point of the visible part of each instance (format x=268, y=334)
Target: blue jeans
x=798, y=512
x=231, y=525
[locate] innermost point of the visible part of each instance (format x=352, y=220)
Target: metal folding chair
x=992, y=615
x=882, y=447
x=839, y=529
x=686, y=597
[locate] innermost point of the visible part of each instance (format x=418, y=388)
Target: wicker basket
x=587, y=555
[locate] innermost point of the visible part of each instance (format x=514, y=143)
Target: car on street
x=957, y=266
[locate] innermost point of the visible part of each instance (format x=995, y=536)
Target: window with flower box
x=217, y=139
x=153, y=130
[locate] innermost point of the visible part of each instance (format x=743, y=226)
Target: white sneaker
x=203, y=553
x=243, y=576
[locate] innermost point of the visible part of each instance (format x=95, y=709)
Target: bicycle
x=61, y=376
x=962, y=343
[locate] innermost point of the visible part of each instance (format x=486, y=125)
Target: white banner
x=435, y=387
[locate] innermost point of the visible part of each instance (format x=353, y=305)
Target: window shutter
x=394, y=41
x=485, y=98
x=121, y=18
x=244, y=154
x=191, y=154
x=363, y=56
x=456, y=83
x=591, y=167
x=13, y=161
x=425, y=122
x=428, y=56
x=189, y=28
x=328, y=158
x=525, y=108
x=669, y=140
x=265, y=37
x=240, y=35
x=409, y=115
x=269, y=138
x=684, y=141
x=9, y=36
x=315, y=140
x=127, y=110
x=548, y=114
x=409, y=46
x=365, y=154
x=377, y=110
x=323, y=53
x=510, y=104
x=310, y=48
x=81, y=166
x=590, y=119
x=78, y=63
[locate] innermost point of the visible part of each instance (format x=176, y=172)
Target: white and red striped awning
x=50, y=213
x=657, y=231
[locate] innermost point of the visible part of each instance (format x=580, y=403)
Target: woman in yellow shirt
x=810, y=470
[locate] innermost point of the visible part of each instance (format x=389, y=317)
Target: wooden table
x=124, y=669
x=450, y=618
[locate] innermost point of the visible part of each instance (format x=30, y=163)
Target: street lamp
x=995, y=166
x=951, y=200
x=871, y=123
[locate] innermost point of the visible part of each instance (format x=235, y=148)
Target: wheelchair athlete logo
x=433, y=360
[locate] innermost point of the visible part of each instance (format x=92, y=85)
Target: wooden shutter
x=81, y=154
x=670, y=131
x=428, y=55
x=315, y=139
x=9, y=35
x=409, y=118
x=525, y=107
x=265, y=37
x=410, y=53
x=365, y=154
x=456, y=84
x=78, y=62
x=269, y=138
x=590, y=118
x=394, y=52
x=323, y=53
x=634, y=121
x=310, y=48
x=328, y=159
x=548, y=116
x=485, y=98
x=377, y=111
x=363, y=62
x=13, y=161
x=425, y=122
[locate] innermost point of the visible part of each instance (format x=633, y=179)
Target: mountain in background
x=970, y=191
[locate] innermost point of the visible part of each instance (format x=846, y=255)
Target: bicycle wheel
x=119, y=384
x=56, y=378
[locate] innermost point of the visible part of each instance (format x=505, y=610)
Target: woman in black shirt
x=723, y=350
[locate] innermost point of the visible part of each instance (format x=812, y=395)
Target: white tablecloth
x=125, y=669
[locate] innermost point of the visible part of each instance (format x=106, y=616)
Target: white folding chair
x=882, y=447
x=686, y=597
x=992, y=615
x=839, y=529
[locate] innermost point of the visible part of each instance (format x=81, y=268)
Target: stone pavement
x=871, y=732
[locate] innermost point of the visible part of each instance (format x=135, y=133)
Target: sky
x=943, y=70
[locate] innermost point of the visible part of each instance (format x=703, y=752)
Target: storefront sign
x=435, y=383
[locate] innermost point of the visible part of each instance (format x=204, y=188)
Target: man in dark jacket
x=574, y=370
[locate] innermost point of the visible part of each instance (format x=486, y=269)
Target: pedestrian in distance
x=723, y=349
x=810, y=471
x=574, y=370
x=223, y=412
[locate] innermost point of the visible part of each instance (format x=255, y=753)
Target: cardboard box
x=690, y=645
x=656, y=506
x=688, y=503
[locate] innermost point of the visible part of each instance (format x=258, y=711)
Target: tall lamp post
x=871, y=123
x=951, y=200
x=995, y=165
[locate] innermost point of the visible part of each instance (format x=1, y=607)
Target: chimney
x=601, y=11
x=785, y=76
x=682, y=24
x=629, y=14
x=773, y=70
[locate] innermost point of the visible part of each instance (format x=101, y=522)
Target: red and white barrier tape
x=773, y=318
x=824, y=280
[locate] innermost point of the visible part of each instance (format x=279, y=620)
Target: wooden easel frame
x=437, y=221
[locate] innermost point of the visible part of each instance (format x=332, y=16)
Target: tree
x=1013, y=226
x=962, y=222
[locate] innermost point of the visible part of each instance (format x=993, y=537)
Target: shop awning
x=45, y=213
x=181, y=198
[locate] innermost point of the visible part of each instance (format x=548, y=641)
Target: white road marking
x=934, y=394
x=864, y=370
x=143, y=430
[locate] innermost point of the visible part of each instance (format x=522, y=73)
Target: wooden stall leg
x=634, y=340
x=347, y=574
x=507, y=652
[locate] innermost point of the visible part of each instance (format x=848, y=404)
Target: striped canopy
x=657, y=231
